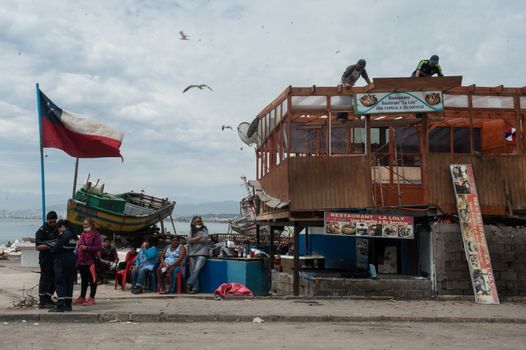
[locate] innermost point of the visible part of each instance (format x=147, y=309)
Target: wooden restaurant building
x=383, y=152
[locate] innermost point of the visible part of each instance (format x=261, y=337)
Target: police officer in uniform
x=45, y=238
x=64, y=266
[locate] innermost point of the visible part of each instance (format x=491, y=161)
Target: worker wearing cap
x=428, y=68
x=353, y=72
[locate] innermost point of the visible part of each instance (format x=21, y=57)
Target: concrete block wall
x=507, y=247
x=405, y=288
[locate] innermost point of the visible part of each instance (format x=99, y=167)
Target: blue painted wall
x=339, y=251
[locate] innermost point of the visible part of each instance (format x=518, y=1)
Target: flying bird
x=200, y=87
x=223, y=127
x=183, y=35
x=338, y=51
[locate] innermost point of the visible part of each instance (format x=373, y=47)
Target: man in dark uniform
x=64, y=266
x=44, y=240
x=428, y=68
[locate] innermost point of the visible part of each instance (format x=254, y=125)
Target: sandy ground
x=302, y=336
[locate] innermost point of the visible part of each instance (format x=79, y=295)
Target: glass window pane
x=476, y=140
x=440, y=140
x=492, y=102
x=339, y=140
x=358, y=140
x=341, y=103
x=303, y=140
x=455, y=100
x=307, y=103
x=407, y=139
x=461, y=140
x=380, y=139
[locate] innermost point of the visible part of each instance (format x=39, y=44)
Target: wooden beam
x=296, y=272
x=411, y=84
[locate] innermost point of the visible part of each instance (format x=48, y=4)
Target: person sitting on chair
x=144, y=265
x=107, y=261
x=172, y=260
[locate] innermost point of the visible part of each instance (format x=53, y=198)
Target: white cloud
x=125, y=65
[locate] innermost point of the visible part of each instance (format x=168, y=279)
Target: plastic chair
x=177, y=282
x=121, y=275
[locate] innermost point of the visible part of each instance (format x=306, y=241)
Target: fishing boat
x=245, y=223
x=126, y=213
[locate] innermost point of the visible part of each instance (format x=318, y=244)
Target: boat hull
x=107, y=221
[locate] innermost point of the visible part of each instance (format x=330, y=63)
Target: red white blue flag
x=80, y=137
x=510, y=134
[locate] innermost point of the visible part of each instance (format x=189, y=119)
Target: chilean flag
x=79, y=137
x=510, y=134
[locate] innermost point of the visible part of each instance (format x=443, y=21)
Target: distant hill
x=223, y=207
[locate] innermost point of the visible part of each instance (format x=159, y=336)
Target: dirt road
x=230, y=336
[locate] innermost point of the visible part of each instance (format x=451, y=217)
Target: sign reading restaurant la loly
x=380, y=226
x=398, y=102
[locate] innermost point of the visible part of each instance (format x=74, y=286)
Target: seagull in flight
x=223, y=127
x=200, y=87
x=183, y=35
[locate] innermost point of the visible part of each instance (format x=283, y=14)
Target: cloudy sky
x=122, y=62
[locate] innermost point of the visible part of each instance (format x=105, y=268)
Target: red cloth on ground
x=235, y=289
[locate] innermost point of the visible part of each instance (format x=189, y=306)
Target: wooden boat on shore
x=125, y=213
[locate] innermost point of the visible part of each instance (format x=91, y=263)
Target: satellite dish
x=253, y=127
x=243, y=130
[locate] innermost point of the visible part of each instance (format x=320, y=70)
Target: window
x=358, y=140
x=476, y=140
x=406, y=139
x=380, y=140
x=440, y=140
x=461, y=140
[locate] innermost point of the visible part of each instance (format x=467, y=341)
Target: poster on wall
x=362, y=253
x=378, y=226
x=398, y=102
x=473, y=236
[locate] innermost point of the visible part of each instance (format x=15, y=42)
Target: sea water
x=11, y=229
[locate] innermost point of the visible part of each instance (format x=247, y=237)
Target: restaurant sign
x=472, y=227
x=398, y=102
x=378, y=226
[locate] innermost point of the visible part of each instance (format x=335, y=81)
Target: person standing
x=172, y=260
x=88, y=249
x=428, y=68
x=45, y=239
x=197, y=251
x=64, y=266
x=145, y=263
x=353, y=73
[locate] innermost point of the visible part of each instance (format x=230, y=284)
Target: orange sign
x=472, y=227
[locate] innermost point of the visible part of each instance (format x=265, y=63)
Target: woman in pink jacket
x=88, y=248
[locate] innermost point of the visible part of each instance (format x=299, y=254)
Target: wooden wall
x=276, y=182
x=318, y=183
x=494, y=176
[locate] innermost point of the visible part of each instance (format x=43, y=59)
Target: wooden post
x=271, y=253
x=519, y=126
x=162, y=226
x=75, y=178
x=423, y=155
x=296, y=272
x=307, y=241
x=257, y=236
x=470, y=116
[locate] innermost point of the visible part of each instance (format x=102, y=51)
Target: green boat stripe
x=86, y=213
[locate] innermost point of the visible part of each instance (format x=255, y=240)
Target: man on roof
x=428, y=68
x=353, y=73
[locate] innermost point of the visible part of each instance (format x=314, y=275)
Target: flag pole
x=39, y=109
x=75, y=178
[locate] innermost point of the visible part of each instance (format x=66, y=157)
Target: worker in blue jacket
x=64, y=266
x=45, y=239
